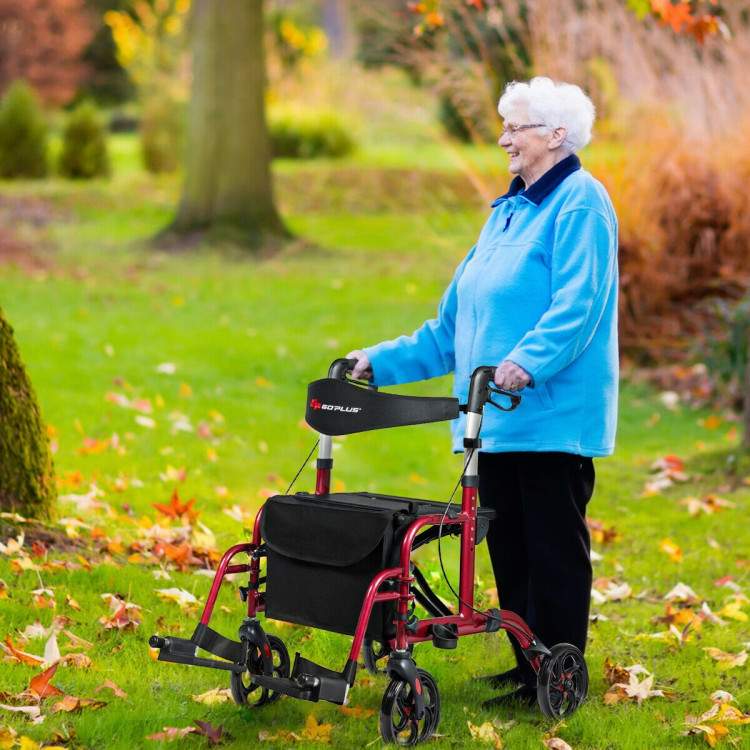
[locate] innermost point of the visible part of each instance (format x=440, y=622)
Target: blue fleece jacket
x=540, y=289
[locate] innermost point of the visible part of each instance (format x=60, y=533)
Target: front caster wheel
x=374, y=652
x=244, y=692
x=562, y=682
x=398, y=722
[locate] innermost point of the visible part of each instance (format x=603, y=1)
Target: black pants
x=539, y=544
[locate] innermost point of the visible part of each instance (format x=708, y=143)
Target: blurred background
x=285, y=181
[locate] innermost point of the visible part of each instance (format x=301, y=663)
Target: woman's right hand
x=363, y=368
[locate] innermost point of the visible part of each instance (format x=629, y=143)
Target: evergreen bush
x=84, y=151
x=23, y=134
x=308, y=133
x=161, y=135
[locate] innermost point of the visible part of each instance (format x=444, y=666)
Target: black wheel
x=397, y=721
x=244, y=692
x=374, y=652
x=562, y=682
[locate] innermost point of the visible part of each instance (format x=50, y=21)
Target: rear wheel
x=562, y=682
x=244, y=692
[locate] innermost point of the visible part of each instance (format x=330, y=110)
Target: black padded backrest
x=339, y=407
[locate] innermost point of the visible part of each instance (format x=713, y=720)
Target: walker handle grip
x=339, y=368
x=482, y=388
x=479, y=389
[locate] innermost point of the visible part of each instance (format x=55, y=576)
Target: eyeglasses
x=512, y=130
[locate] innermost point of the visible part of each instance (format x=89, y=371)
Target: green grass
x=245, y=336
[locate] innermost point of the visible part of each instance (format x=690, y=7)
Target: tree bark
x=746, y=400
x=228, y=183
x=27, y=476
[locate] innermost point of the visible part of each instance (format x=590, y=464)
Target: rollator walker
x=342, y=562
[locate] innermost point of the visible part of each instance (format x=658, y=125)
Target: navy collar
x=545, y=184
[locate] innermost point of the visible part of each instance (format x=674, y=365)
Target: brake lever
x=515, y=399
x=363, y=382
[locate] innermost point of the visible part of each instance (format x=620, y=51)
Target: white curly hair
x=554, y=104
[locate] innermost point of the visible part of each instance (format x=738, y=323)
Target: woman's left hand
x=511, y=377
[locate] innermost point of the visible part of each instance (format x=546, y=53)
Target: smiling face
x=533, y=150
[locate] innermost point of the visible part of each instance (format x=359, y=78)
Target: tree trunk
x=27, y=477
x=338, y=28
x=228, y=162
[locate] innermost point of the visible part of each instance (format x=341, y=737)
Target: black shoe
x=523, y=696
x=511, y=677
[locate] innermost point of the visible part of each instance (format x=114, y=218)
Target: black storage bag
x=323, y=552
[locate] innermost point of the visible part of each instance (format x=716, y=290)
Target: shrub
x=161, y=135
x=307, y=133
x=23, y=134
x=84, y=150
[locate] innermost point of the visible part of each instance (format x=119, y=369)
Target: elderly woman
x=536, y=296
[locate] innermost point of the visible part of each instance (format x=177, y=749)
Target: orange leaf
x=675, y=15
x=22, y=656
x=170, y=734
x=358, y=712
x=70, y=704
x=177, y=509
x=674, y=552
x=41, y=685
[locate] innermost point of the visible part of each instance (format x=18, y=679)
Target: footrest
x=308, y=681
x=183, y=651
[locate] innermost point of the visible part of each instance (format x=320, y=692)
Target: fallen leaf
x=41, y=683
x=185, y=599
x=109, y=685
x=683, y=593
x=556, y=743
x=733, y=610
x=170, y=734
x=601, y=534
x=211, y=697
x=33, y=712
x=77, y=642
x=177, y=509
x=357, y=712
x=7, y=738
x=212, y=733
x=70, y=704
x=726, y=660
x=614, y=673
x=681, y=618
x=633, y=690
x=315, y=731
x=51, y=650
x=22, y=656
x=674, y=552
x=485, y=733
x=81, y=661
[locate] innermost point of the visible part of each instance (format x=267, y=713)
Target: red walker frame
x=562, y=672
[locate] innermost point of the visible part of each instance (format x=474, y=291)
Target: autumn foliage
x=41, y=41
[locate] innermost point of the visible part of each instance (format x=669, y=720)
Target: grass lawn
x=186, y=372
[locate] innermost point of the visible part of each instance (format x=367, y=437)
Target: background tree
x=227, y=183
x=27, y=477
x=42, y=42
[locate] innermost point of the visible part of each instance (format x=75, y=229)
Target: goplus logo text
x=315, y=405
